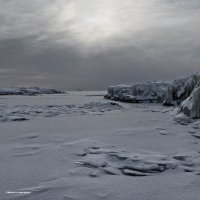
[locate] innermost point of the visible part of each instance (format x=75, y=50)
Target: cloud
x=92, y=44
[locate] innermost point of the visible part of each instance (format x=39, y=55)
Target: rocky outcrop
x=173, y=94
x=140, y=92
x=184, y=92
x=191, y=106
x=187, y=95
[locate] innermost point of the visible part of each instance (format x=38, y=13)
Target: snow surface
x=135, y=152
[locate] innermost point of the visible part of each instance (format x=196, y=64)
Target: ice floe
x=24, y=112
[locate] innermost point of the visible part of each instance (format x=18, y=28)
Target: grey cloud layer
x=90, y=45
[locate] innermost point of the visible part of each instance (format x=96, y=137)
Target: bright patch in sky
x=97, y=21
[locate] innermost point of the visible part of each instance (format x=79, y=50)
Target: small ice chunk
x=129, y=172
x=112, y=171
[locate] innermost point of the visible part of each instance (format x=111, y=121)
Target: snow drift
x=28, y=91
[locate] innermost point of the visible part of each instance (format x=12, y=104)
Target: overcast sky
x=90, y=44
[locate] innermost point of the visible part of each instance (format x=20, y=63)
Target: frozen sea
x=79, y=146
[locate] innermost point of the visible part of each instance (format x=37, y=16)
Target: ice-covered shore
x=184, y=92
x=28, y=91
x=187, y=95
x=140, y=92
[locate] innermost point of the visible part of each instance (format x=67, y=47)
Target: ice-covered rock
x=152, y=91
x=174, y=91
x=188, y=96
x=28, y=91
x=191, y=106
x=189, y=86
x=180, y=89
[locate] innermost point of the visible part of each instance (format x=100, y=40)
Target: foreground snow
x=135, y=152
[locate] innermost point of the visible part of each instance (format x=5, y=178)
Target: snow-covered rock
x=182, y=91
x=191, y=106
x=28, y=91
x=173, y=95
x=187, y=95
x=152, y=91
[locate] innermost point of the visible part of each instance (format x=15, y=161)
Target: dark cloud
x=69, y=46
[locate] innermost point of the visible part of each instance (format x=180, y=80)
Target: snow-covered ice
x=92, y=148
x=24, y=112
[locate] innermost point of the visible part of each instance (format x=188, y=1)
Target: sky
x=91, y=44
